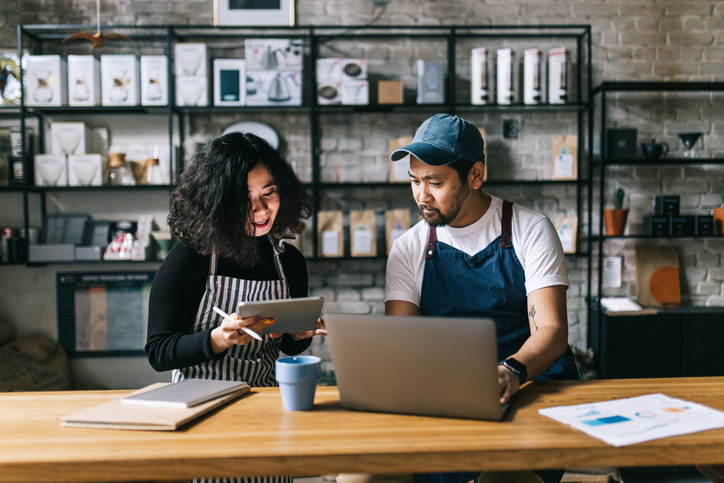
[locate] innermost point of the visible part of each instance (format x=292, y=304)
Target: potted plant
x=719, y=217
x=615, y=218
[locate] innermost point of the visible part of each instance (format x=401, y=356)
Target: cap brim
x=426, y=153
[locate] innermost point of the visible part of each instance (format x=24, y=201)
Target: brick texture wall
x=643, y=40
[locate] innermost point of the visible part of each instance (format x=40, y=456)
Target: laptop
x=436, y=366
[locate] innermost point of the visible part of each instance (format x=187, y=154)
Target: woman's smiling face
x=264, y=197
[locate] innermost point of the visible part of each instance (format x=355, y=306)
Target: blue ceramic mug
x=297, y=377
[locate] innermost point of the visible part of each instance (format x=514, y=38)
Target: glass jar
x=119, y=174
x=152, y=172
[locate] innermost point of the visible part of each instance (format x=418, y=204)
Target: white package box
x=273, y=88
x=190, y=59
x=557, y=76
x=353, y=69
x=46, y=81
x=192, y=90
x=139, y=153
x=430, y=81
x=68, y=138
x=479, y=90
x=356, y=93
x=531, y=76
x=328, y=71
x=51, y=170
x=273, y=54
x=120, y=80
x=229, y=82
x=84, y=80
x=329, y=93
x=154, y=80
x=85, y=169
x=505, y=77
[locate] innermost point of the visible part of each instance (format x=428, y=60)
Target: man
x=475, y=255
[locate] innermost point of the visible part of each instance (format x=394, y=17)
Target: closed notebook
x=185, y=394
x=115, y=415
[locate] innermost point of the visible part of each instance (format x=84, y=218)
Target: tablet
x=290, y=315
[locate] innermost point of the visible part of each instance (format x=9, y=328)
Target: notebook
x=185, y=394
x=432, y=366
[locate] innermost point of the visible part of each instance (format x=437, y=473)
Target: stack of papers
x=637, y=419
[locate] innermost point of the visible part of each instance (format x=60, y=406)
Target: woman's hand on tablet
x=230, y=331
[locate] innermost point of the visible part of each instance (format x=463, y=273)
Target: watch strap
x=516, y=367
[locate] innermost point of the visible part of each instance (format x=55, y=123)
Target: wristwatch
x=516, y=367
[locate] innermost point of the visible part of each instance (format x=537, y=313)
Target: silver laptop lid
x=438, y=366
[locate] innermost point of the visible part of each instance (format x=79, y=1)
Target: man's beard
x=438, y=218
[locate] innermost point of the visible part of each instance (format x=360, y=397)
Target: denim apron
x=253, y=362
x=490, y=283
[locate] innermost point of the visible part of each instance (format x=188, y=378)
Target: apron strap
x=431, y=243
x=506, y=235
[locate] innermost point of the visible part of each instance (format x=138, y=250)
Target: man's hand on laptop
x=509, y=384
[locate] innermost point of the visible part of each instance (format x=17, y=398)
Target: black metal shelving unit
x=601, y=163
x=33, y=38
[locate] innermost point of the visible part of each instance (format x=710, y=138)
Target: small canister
x=557, y=76
x=505, y=84
x=479, y=94
x=531, y=76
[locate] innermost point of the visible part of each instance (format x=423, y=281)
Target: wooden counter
x=255, y=436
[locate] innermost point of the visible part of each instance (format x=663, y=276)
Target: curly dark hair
x=210, y=205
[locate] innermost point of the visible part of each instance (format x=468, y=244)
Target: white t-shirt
x=535, y=242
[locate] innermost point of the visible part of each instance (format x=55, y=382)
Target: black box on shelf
x=683, y=225
x=657, y=225
x=667, y=205
x=621, y=143
x=704, y=225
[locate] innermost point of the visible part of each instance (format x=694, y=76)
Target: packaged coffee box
x=397, y=222
x=363, y=239
x=330, y=231
x=399, y=170
x=565, y=157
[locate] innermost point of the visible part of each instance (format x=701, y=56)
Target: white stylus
x=245, y=329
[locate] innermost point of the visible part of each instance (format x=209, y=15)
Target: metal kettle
x=278, y=89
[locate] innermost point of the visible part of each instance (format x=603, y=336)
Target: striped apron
x=253, y=362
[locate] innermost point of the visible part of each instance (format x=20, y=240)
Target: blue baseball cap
x=444, y=139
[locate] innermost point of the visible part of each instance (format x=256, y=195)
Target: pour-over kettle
x=653, y=150
x=279, y=91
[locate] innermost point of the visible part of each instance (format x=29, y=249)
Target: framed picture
x=254, y=12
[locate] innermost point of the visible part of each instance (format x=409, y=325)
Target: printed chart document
x=637, y=419
x=185, y=394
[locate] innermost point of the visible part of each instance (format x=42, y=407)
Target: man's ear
x=477, y=175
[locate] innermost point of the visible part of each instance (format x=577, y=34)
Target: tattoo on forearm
x=532, y=316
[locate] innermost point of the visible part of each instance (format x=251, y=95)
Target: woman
x=230, y=210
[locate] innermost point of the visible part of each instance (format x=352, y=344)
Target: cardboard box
x=273, y=54
x=683, y=225
x=120, y=80
x=154, y=80
x=84, y=80
x=51, y=253
x=273, y=88
x=51, y=170
x=704, y=225
x=353, y=69
x=657, y=225
x=192, y=91
x=665, y=205
x=390, y=92
x=88, y=254
x=190, y=59
x=329, y=93
x=621, y=144
x=430, y=81
x=356, y=93
x=328, y=71
x=85, y=170
x=68, y=138
x=46, y=81
x=229, y=82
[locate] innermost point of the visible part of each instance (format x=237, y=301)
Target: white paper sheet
x=637, y=419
